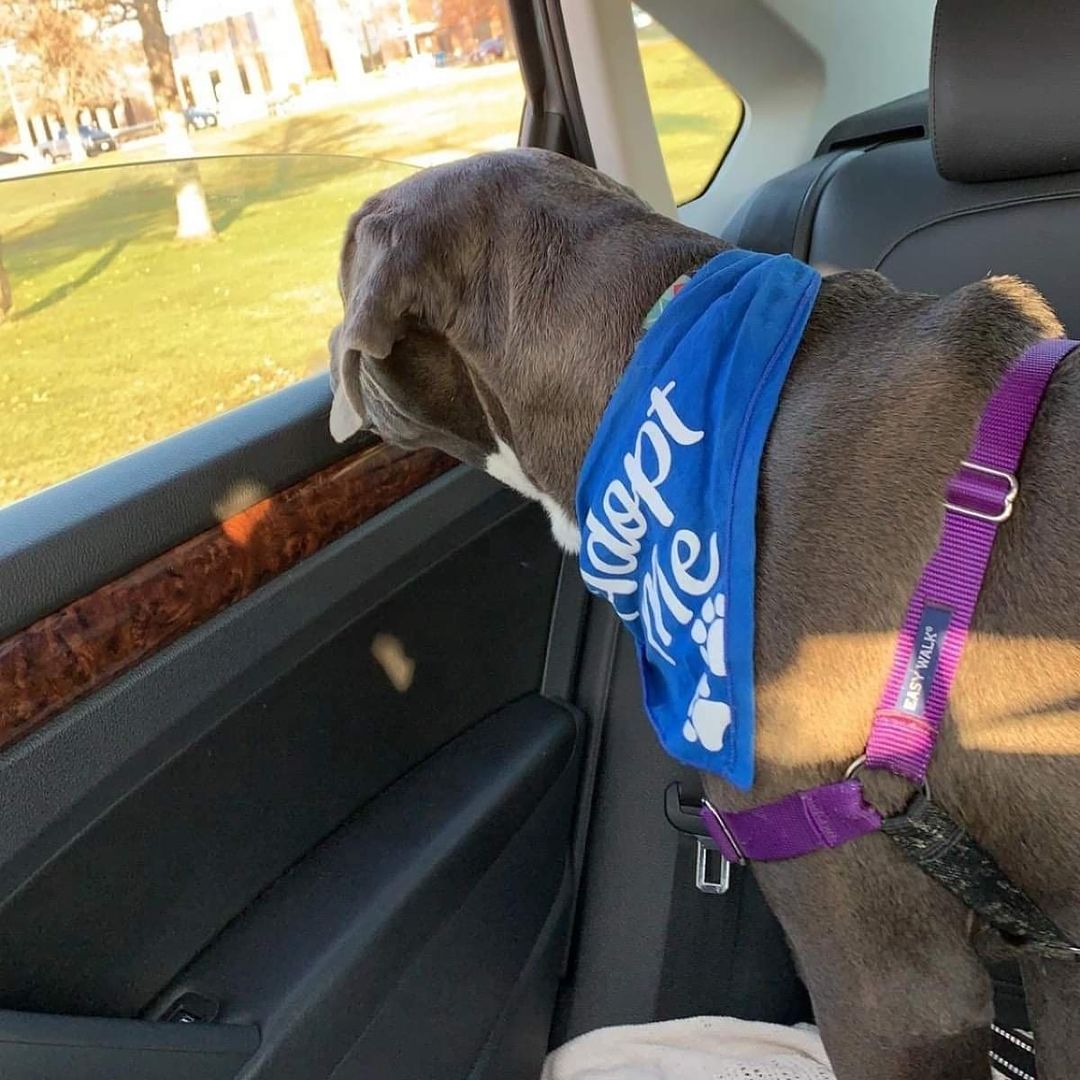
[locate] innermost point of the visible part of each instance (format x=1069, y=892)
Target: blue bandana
x=668, y=491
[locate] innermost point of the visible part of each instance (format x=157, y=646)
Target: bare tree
x=75, y=63
x=71, y=64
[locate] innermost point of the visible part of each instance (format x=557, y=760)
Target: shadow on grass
x=65, y=290
x=320, y=151
x=281, y=176
x=127, y=203
x=336, y=133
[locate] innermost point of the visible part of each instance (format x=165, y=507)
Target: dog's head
x=490, y=306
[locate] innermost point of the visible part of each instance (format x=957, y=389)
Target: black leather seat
x=979, y=176
x=973, y=179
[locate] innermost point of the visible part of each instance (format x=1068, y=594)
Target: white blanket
x=700, y=1048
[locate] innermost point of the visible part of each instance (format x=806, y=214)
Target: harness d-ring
x=860, y=762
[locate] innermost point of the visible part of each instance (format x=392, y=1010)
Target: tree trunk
x=407, y=27
x=70, y=115
x=6, y=299
x=192, y=214
x=507, y=29
x=21, y=124
x=317, y=54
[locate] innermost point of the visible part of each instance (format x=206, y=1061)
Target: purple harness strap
x=980, y=496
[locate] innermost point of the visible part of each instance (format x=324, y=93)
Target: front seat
x=978, y=177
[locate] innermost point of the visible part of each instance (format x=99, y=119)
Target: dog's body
x=491, y=306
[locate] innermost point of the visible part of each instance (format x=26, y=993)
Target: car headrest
x=1005, y=88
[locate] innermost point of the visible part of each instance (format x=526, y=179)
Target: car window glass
x=697, y=113
x=115, y=331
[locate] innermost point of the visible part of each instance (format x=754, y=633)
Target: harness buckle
x=728, y=835
x=1007, y=498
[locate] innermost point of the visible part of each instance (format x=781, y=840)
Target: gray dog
x=490, y=307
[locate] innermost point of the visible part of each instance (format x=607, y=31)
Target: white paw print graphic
x=706, y=720
x=708, y=632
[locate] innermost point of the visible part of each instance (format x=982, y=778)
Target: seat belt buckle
x=712, y=872
x=720, y=882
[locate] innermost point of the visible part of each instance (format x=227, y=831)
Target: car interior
x=391, y=808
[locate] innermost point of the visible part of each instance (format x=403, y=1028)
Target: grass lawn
x=121, y=336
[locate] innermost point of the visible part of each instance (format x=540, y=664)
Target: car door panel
x=438, y=888
x=186, y=792
x=72, y=652
x=85, y=753
x=36, y=1047
x=209, y=823
x=82, y=534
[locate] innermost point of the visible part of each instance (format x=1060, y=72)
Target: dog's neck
x=552, y=426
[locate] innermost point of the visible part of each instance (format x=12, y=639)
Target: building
x=235, y=56
x=240, y=58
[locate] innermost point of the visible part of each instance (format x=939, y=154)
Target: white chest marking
x=506, y=468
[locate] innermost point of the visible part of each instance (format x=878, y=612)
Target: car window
x=697, y=113
x=116, y=332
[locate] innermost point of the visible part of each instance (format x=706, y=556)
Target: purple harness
x=980, y=496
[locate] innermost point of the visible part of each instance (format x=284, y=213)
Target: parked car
x=94, y=140
x=200, y=118
x=487, y=52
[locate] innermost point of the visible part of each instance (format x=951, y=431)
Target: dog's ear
x=383, y=280
x=345, y=420
x=372, y=279
x=346, y=415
